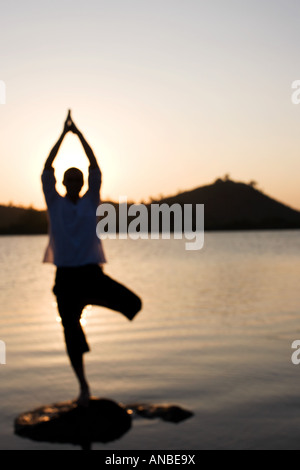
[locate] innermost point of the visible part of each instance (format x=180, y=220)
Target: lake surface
x=214, y=336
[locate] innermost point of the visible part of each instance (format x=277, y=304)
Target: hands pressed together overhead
x=69, y=125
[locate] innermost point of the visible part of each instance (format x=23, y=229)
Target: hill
x=228, y=205
x=233, y=205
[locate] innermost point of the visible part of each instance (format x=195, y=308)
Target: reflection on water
x=84, y=316
x=215, y=330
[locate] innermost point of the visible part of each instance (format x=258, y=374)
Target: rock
x=171, y=413
x=102, y=421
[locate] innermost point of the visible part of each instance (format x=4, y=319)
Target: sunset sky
x=170, y=94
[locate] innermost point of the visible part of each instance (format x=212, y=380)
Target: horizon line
x=224, y=179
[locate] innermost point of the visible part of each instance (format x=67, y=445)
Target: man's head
x=73, y=181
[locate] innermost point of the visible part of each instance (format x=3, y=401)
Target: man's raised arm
x=88, y=150
x=55, y=149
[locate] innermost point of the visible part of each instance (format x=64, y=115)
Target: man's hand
x=74, y=129
x=68, y=123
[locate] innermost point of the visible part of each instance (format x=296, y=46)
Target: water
x=214, y=336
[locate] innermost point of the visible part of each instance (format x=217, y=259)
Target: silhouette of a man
x=77, y=253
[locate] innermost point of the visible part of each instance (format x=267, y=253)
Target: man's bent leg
x=106, y=292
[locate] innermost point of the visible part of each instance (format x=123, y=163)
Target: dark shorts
x=77, y=287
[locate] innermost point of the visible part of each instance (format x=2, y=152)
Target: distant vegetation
x=228, y=205
x=19, y=220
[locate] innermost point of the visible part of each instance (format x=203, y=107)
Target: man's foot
x=84, y=398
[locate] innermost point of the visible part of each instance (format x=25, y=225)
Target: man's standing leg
x=76, y=343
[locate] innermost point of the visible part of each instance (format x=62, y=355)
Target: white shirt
x=73, y=239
